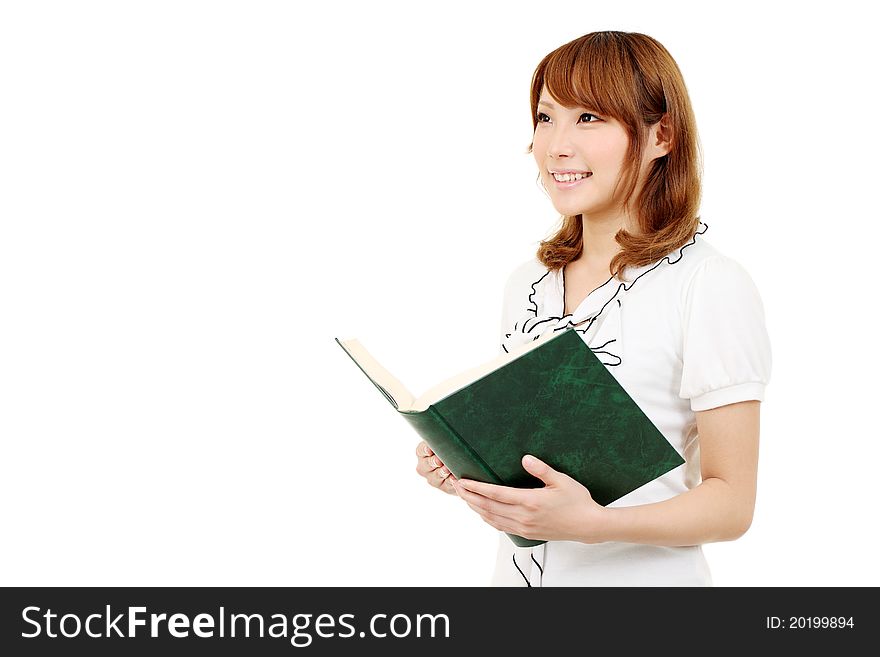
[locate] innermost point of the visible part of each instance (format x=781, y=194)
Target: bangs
x=594, y=73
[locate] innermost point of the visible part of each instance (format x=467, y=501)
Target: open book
x=552, y=398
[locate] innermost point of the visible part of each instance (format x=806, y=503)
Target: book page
x=394, y=390
x=403, y=399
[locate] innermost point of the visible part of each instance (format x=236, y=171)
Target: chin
x=571, y=207
x=569, y=210
x=569, y=204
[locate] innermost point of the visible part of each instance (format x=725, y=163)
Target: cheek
x=614, y=152
x=604, y=153
x=539, y=147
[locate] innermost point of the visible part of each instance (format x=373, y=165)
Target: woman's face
x=574, y=139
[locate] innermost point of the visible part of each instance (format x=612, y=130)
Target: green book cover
x=552, y=398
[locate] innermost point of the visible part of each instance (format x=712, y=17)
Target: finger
x=423, y=450
x=509, y=528
x=427, y=464
x=535, y=466
x=439, y=476
x=504, y=494
x=447, y=485
x=498, y=522
x=483, y=504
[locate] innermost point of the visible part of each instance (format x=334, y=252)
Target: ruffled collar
x=546, y=301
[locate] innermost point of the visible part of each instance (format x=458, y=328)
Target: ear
x=660, y=137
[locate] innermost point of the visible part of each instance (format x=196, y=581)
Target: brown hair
x=630, y=77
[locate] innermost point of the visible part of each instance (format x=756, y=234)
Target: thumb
x=537, y=467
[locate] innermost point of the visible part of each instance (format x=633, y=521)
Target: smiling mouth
x=568, y=180
x=571, y=177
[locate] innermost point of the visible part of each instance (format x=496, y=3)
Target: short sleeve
x=726, y=349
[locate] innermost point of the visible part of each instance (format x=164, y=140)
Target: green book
x=552, y=398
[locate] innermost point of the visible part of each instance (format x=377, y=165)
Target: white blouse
x=683, y=334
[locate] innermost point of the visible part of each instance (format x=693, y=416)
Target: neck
x=599, y=243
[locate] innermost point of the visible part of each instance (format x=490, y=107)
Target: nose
x=560, y=144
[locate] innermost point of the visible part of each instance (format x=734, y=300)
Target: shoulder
x=691, y=258
x=700, y=264
x=710, y=269
x=695, y=275
x=717, y=288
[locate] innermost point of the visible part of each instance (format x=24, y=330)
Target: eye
x=543, y=118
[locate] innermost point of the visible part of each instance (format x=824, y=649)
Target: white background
x=198, y=197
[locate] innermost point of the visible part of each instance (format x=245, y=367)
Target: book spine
x=457, y=455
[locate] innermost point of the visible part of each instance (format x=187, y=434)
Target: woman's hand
x=563, y=510
x=432, y=469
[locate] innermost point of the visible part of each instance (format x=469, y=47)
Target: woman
x=679, y=325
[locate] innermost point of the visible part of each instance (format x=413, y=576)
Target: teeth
x=569, y=177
